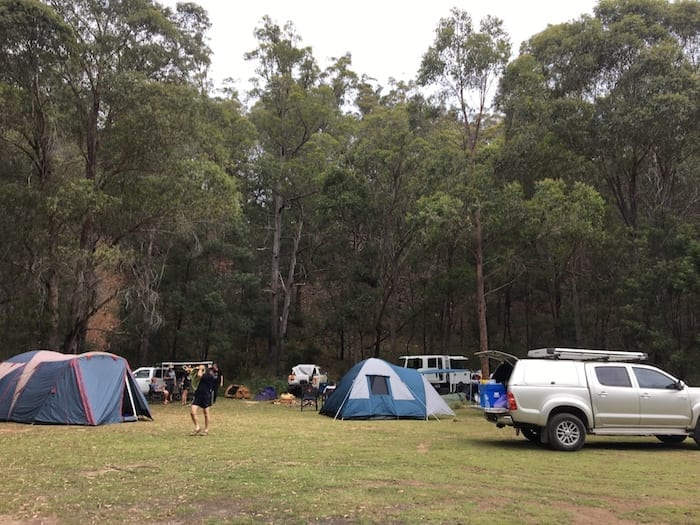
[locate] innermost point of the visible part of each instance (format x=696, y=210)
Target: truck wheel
x=532, y=433
x=566, y=432
x=671, y=440
x=696, y=434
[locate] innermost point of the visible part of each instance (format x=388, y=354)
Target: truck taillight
x=512, y=405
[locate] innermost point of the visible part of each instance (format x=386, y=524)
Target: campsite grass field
x=267, y=463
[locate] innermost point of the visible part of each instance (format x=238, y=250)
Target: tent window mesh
x=379, y=385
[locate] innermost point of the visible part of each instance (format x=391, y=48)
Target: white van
x=447, y=373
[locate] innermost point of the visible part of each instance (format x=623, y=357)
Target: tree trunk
x=146, y=321
x=274, y=338
x=52, y=289
x=288, y=289
x=84, y=292
x=576, y=304
x=481, y=293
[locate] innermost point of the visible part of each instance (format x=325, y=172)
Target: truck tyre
x=566, y=432
x=671, y=440
x=696, y=434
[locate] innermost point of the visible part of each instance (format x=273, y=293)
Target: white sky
x=386, y=38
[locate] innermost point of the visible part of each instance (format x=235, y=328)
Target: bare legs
x=195, y=419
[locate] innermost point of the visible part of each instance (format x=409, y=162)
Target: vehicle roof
x=432, y=355
x=584, y=354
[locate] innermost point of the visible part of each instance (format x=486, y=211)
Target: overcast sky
x=386, y=38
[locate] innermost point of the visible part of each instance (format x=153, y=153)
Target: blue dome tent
x=94, y=388
x=375, y=389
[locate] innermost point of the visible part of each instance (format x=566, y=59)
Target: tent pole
x=340, y=407
x=131, y=398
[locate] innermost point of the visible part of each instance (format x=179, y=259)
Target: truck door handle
x=645, y=395
x=603, y=393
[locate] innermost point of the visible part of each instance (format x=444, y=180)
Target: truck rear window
x=613, y=376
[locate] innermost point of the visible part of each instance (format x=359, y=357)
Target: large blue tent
x=375, y=389
x=94, y=388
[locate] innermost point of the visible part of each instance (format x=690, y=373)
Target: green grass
x=266, y=463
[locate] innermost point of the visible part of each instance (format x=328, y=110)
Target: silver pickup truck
x=559, y=395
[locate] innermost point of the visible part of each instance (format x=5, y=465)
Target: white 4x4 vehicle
x=559, y=395
x=145, y=374
x=303, y=375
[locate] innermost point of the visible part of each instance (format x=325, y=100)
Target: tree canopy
x=494, y=201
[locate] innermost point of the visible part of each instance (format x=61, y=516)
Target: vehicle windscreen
x=413, y=363
x=460, y=364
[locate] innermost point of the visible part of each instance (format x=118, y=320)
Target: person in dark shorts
x=169, y=384
x=186, y=386
x=202, y=399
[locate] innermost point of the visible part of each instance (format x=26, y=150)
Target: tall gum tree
x=137, y=39
x=386, y=157
x=34, y=45
x=612, y=99
x=622, y=90
x=96, y=49
x=465, y=64
x=295, y=105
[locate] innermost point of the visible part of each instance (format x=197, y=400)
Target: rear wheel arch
x=566, y=409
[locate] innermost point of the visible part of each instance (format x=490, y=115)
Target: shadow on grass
x=520, y=443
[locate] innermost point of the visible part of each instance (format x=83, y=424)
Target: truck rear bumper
x=501, y=418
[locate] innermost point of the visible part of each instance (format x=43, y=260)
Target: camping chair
x=326, y=393
x=155, y=395
x=309, y=396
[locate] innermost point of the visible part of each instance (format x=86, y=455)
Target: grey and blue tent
x=375, y=389
x=94, y=388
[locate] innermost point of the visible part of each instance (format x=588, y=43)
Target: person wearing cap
x=206, y=382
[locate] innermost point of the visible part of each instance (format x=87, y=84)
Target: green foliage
x=333, y=218
x=664, y=287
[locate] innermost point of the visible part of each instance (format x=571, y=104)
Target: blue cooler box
x=489, y=393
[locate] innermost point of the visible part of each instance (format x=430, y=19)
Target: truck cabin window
x=653, y=379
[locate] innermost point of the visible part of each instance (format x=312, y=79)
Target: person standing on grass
x=170, y=384
x=186, y=386
x=214, y=369
x=206, y=382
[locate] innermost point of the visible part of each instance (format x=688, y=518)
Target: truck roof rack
x=582, y=354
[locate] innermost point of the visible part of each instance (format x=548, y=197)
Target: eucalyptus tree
x=562, y=224
x=118, y=46
x=94, y=74
x=181, y=200
x=34, y=45
x=465, y=64
x=387, y=157
x=293, y=115
x=622, y=92
x=613, y=100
